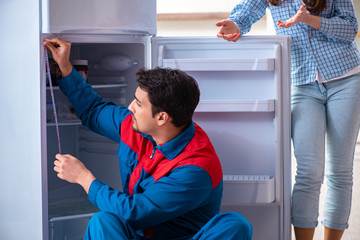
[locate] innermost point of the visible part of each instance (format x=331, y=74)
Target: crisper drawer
x=69, y=219
x=69, y=228
x=240, y=189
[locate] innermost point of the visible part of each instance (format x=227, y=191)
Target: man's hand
x=301, y=16
x=60, y=50
x=228, y=31
x=73, y=170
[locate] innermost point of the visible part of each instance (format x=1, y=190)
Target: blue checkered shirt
x=331, y=49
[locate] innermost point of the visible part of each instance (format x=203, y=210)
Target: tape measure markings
x=52, y=97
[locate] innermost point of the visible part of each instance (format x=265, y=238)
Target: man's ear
x=162, y=118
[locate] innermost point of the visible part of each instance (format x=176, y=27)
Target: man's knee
x=104, y=225
x=97, y=224
x=237, y=223
x=99, y=219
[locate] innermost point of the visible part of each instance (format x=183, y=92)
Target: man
x=172, y=177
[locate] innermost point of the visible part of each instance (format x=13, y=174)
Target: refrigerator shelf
x=221, y=64
x=118, y=85
x=236, y=106
x=100, y=86
x=69, y=220
x=65, y=123
x=240, y=189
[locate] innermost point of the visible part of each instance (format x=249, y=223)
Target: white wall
x=203, y=27
x=191, y=6
x=207, y=27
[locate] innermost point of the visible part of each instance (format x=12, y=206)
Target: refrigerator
x=244, y=108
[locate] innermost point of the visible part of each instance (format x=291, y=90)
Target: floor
x=353, y=232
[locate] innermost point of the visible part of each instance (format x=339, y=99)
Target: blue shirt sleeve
x=246, y=13
x=103, y=117
x=185, y=189
x=342, y=24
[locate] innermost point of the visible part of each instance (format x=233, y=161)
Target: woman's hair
x=171, y=91
x=313, y=6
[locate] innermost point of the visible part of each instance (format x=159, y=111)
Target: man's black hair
x=171, y=91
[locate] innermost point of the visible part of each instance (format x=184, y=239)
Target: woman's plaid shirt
x=331, y=49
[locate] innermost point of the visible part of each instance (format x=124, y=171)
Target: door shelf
x=242, y=189
x=221, y=64
x=236, y=106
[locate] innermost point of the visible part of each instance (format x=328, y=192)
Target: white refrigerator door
x=21, y=179
x=245, y=110
x=97, y=16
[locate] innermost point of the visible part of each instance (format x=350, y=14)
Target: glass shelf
x=64, y=123
x=98, y=86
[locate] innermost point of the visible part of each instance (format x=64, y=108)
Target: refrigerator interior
x=244, y=108
x=68, y=207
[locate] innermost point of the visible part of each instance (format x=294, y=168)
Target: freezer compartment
x=93, y=16
x=240, y=189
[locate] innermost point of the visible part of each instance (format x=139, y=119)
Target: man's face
x=143, y=121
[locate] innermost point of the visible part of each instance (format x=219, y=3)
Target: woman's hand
x=301, y=16
x=228, y=31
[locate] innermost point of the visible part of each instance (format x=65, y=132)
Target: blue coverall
x=170, y=191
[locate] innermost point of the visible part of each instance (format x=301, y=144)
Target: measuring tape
x=52, y=97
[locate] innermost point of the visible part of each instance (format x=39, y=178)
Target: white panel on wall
x=189, y=6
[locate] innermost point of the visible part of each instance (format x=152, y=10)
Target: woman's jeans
x=325, y=117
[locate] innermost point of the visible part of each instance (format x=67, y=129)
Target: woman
x=325, y=76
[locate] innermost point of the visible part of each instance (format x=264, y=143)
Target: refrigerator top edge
x=98, y=17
